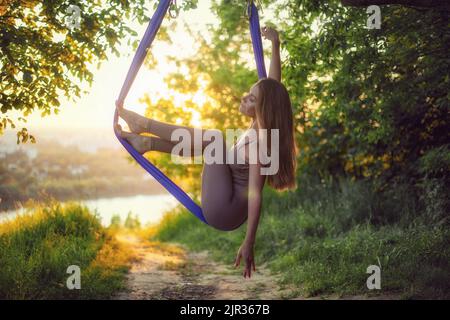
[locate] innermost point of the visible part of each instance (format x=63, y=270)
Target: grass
x=322, y=238
x=37, y=248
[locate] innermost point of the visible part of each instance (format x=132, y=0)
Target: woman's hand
x=270, y=34
x=246, y=252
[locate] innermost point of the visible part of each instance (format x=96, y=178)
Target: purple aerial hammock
x=144, y=45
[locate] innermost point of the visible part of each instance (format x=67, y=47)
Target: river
x=148, y=208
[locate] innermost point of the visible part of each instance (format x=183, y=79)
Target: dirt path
x=167, y=271
x=163, y=271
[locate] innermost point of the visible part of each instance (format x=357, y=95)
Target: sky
x=96, y=108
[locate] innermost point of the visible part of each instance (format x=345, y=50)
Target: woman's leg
x=223, y=207
x=144, y=144
x=139, y=124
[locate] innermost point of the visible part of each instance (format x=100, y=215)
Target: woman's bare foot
x=142, y=144
x=136, y=122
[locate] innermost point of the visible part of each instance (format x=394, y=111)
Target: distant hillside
x=69, y=165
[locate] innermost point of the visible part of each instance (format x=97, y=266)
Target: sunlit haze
x=95, y=109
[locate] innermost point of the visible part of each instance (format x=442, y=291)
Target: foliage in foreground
x=320, y=239
x=36, y=249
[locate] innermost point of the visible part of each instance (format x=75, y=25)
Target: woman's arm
x=275, y=63
x=256, y=184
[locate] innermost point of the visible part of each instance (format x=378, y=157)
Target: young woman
x=232, y=193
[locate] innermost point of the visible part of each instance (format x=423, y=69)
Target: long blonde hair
x=274, y=111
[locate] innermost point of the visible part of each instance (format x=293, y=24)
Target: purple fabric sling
x=138, y=59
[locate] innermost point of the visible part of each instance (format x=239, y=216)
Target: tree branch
x=415, y=3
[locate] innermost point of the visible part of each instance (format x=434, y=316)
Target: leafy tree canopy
x=367, y=102
x=43, y=59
